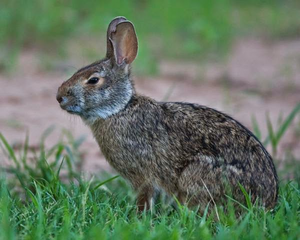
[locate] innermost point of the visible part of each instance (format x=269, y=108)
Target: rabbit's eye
x=93, y=80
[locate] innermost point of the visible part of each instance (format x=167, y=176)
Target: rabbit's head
x=103, y=88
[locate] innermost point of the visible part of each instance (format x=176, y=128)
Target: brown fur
x=187, y=150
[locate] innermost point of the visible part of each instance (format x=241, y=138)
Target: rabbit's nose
x=63, y=101
x=59, y=98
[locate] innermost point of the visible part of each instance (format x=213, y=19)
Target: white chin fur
x=107, y=111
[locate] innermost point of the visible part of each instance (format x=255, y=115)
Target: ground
x=258, y=77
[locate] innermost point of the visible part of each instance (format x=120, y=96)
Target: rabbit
x=192, y=152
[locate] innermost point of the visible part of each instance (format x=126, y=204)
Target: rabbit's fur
x=192, y=152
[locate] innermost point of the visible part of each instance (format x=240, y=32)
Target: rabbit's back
x=157, y=142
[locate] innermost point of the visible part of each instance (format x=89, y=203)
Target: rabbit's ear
x=122, y=44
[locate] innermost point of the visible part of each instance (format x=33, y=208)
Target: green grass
x=78, y=211
x=43, y=196
x=274, y=137
x=193, y=29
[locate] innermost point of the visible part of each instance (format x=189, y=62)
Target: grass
x=274, y=137
x=81, y=212
x=193, y=29
x=43, y=196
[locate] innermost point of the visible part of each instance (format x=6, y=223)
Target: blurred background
x=240, y=57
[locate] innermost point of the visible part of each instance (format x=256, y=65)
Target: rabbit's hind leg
x=200, y=184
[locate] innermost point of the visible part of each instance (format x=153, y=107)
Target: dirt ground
x=259, y=77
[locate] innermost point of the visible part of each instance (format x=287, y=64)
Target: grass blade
x=271, y=134
x=287, y=122
x=256, y=128
x=106, y=181
x=25, y=149
x=10, y=151
x=247, y=196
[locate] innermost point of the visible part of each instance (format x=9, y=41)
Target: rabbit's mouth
x=73, y=109
x=70, y=108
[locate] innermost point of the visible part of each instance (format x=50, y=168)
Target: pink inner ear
x=120, y=60
x=121, y=48
x=119, y=53
x=124, y=43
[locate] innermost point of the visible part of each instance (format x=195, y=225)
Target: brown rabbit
x=187, y=150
